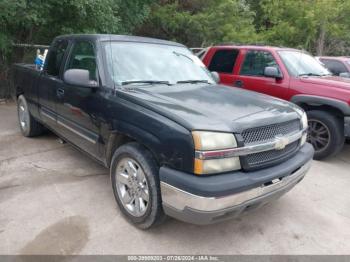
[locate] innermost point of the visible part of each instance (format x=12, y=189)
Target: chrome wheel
x=132, y=187
x=318, y=135
x=23, y=115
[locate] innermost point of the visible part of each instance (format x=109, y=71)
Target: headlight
x=304, y=125
x=204, y=140
x=210, y=155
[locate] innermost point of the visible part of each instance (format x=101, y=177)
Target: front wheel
x=325, y=133
x=134, y=175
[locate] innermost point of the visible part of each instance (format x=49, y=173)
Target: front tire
x=134, y=175
x=28, y=125
x=325, y=133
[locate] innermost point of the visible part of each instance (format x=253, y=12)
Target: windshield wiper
x=151, y=82
x=309, y=74
x=192, y=81
x=181, y=54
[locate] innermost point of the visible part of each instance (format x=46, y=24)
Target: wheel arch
x=119, y=138
x=308, y=102
x=18, y=91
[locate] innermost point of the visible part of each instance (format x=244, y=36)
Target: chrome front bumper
x=204, y=210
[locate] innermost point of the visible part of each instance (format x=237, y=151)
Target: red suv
x=292, y=75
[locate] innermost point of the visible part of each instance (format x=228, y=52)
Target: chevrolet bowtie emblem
x=281, y=142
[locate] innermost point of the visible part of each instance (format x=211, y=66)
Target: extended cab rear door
x=250, y=74
x=48, y=85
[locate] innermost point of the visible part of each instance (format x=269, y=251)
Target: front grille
x=265, y=134
x=264, y=158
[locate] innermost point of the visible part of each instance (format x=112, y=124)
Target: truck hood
x=212, y=107
x=332, y=81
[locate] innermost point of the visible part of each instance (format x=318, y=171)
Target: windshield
x=301, y=64
x=146, y=63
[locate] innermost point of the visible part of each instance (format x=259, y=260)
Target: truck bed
x=25, y=76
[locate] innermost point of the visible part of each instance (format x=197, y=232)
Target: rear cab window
x=56, y=57
x=255, y=61
x=223, y=61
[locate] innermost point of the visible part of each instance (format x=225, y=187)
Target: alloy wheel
x=318, y=135
x=132, y=187
x=23, y=116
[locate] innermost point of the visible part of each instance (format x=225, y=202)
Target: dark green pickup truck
x=176, y=142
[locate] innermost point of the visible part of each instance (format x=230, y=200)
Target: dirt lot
x=55, y=200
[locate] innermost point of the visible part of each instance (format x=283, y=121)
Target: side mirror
x=215, y=76
x=345, y=74
x=78, y=77
x=271, y=71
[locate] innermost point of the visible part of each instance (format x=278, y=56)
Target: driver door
x=77, y=106
x=251, y=75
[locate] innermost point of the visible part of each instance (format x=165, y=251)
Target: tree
x=38, y=21
x=319, y=26
x=201, y=23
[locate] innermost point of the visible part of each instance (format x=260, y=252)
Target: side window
x=83, y=57
x=255, y=63
x=55, y=57
x=335, y=67
x=223, y=61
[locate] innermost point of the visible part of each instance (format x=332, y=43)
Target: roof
x=122, y=38
x=255, y=46
x=340, y=58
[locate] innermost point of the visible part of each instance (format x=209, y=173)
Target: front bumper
x=212, y=206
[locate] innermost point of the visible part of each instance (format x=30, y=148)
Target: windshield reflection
x=148, y=63
x=302, y=64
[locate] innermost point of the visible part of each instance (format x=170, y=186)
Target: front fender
x=170, y=143
x=321, y=101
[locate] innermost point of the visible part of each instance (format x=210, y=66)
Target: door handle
x=60, y=92
x=238, y=83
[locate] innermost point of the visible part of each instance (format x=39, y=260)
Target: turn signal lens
x=303, y=139
x=212, y=166
x=304, y=123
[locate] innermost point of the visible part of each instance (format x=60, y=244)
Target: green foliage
x=39, y=21
x=133, y=13
x=319, y=26
x=201, y=23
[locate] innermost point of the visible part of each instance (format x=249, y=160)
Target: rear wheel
x=28, y=125
x=135, y=182
x=325, y=133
